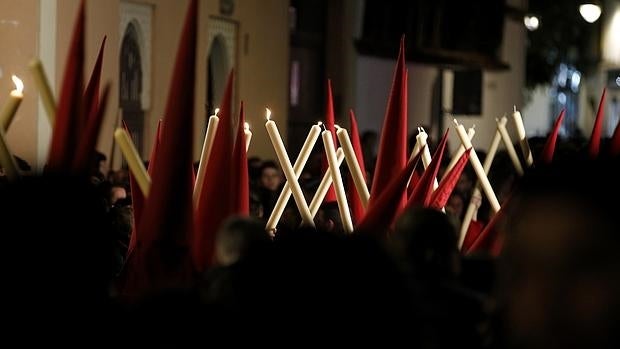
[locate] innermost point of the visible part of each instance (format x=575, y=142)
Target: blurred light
x=531, y=22
x=562, y=98
x=618, y=81
x=575, y=79
x=590, y=12
x=611, y=37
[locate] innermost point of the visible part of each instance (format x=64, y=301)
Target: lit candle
x=207, y=145
x=473, y=158
x=248, y=136
x=136, y=166
x=10, y=108
x=40, y=79
x=471, y=132
x=525, y=146
x=476, y=197
x=326, y=182
x=341, y=196
x=426, y=154
x=510, y=148
x=354, y=166
x=7, y=161
x=289, y=173
x=285, y=194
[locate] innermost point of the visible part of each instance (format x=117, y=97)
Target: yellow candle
x=326, y=182
x=207, y=145
x=286, y=192
x=289, y=173
x=510, y=148
x=341, y=196
x=248, y=136
x=10, y=108
x=426, y=154
x=136, y=166
x=473, y=158
x=525, y=146
x=40, y=79
x=471, y=132
x=7, y=161
x=354, y=166
x=476, y=197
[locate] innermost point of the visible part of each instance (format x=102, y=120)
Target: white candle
x=7, y=161
x=36, y=68
x=354, y=166
x=204, y=156
x=10, y=108
x=136, y=166
x=289, y=173
x=525, y=146
x=476, y=197
x=426, y=154
x=510, y=148
x=326, y=182
x=473, y=158
x=341, y=196
x=471, y=132
x=285, y=194
x=248, y=136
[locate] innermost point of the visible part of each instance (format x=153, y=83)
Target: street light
x=590, y=12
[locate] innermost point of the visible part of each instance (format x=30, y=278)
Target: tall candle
x=471, y=132
x=7, y=161
x=10, y=108
x=510, y=148
x=136, y=166
x=354, y=166
x=525, y=146
x=476, y=197
x=207, y=145
x=326, y=182
x=285, y=194
x=40, y=79
x=248, y=136
x=289, y=173
x=473, y=158
x=341, y=196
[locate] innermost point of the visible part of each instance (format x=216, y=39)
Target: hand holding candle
x=206, y=152
x=10, y=108
x=289, y=173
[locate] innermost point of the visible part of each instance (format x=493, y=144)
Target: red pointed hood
x=442, y=194
x=330, y=121
x=65, y=134
x=214, y=200
x=595, y=138
x=355, y=203
x=547, y=153
x=161, y=258
x=380, y=217
x=423, y=191
x=392, y=153
x=240, y=189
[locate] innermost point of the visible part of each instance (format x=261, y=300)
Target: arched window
x=130, y=89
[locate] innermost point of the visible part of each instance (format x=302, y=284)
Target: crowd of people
x=555, y=284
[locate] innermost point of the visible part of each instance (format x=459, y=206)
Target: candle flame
x=319, y=123
x=217, y=110
x=455, y=122
x=246, y=126
x=19, y=84
x=268, y=114
x=514, y=108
